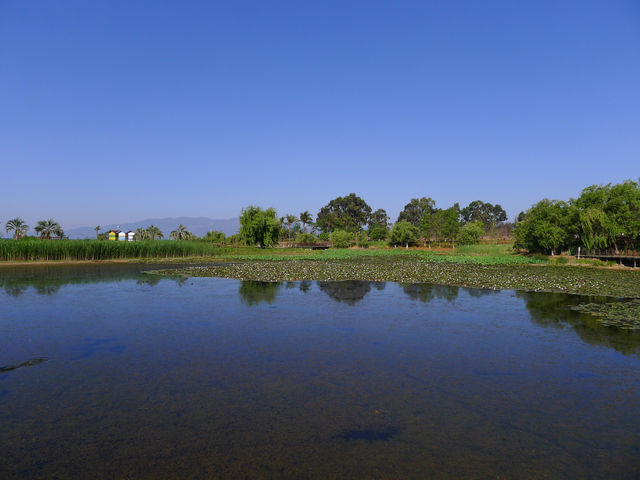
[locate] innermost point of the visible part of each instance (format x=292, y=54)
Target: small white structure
x=122, y=236
x=131, y=236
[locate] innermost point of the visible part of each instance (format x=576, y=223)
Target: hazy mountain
x=197, y=225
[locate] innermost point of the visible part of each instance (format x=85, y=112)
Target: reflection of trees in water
x=554, y=310
x=379, y=285
x=480, y=292
x=15, y=291
x=349, y=291
x=305, y=286
x=253, y=292
x=47, y=289
x=426, y=292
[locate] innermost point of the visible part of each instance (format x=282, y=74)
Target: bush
x=362, y=240
x=324, y=237
x=378, y=232
x=470, y=233
x=305, y=238
x=341, y=239
x=404, y=233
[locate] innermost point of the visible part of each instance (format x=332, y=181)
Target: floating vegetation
x=625, y=314
x=545, y=278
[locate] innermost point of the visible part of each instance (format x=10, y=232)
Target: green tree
x=142, y=234
x=450, y=224
x=97, y=229
x=470, y=233
x=341, y=239
x=404, y=233
x=181, y=233
x=290, y=220
x=259, y=227
x=349, y=213
x=479, y=211
x=154, y=232
x=362, y=240
x=305, y=219
x=544, y=227
x=416, y=209
x=214, y=236
x=18, y=227
x=48, y=228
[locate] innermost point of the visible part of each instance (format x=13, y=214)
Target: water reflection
x=253, y=292
x=349, y=292
x=426, y=292
x=47, y=279
x=554, y=310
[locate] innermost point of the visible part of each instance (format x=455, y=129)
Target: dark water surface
x=107, y=373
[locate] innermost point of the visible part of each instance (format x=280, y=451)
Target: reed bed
x=39, y=250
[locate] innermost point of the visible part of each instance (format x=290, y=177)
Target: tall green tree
x=305, y=219
x=97, y=229
x=49, y=228
x=18, y=227
x=259, y=227
x=290, y=220
x=416, y=209
x=348, y=213
x=378, y=225
x=479, y=211
x=545, y=227
x=404, y=233
x=154, y=232
x=181, y=233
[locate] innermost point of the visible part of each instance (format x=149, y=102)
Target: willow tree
x=259, y=227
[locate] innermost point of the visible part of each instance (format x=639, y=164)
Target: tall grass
x=33, y=250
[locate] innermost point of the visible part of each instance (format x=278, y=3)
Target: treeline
x=603, y=217
x=350, y=220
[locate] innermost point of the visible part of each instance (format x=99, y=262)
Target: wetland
x=111, y=372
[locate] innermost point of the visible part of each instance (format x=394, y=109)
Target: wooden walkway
x=621, y=256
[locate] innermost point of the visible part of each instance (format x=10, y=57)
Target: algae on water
x=625, y=315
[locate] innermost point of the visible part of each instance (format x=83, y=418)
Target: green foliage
x=324, y=236
x=362, y=240
x=404, y=233
x=341, y=239
x=416, y=209
x=48, y=229
x=214, y=237
x=181, y=233
x=259, y=227
x=349, y=213
x=378, y=232
x=18, y=227
x=544, y=228
x=35, y=249
x=470, y=233
x=487, y=214
x=305, y=239
x=305, y=219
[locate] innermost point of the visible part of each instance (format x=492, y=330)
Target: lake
x=106, y=372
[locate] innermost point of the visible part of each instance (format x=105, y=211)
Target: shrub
x=362, y=240
x=305, y=238
x=324, y=237
x=470, y=233
x=341, y=239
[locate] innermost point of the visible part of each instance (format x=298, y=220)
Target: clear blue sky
x=115, y=111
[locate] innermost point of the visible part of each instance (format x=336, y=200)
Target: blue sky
x=117, y=111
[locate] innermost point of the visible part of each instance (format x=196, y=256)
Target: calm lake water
x=122, y=375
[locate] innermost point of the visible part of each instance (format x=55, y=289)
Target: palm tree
x=290, y=220
x=181, y=233
x=47, y=228
x=305, y=218
x=142, y=234
x=97, y=229
x=153, y=232
x=18, y=227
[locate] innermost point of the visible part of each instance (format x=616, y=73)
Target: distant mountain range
x=196, y=225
